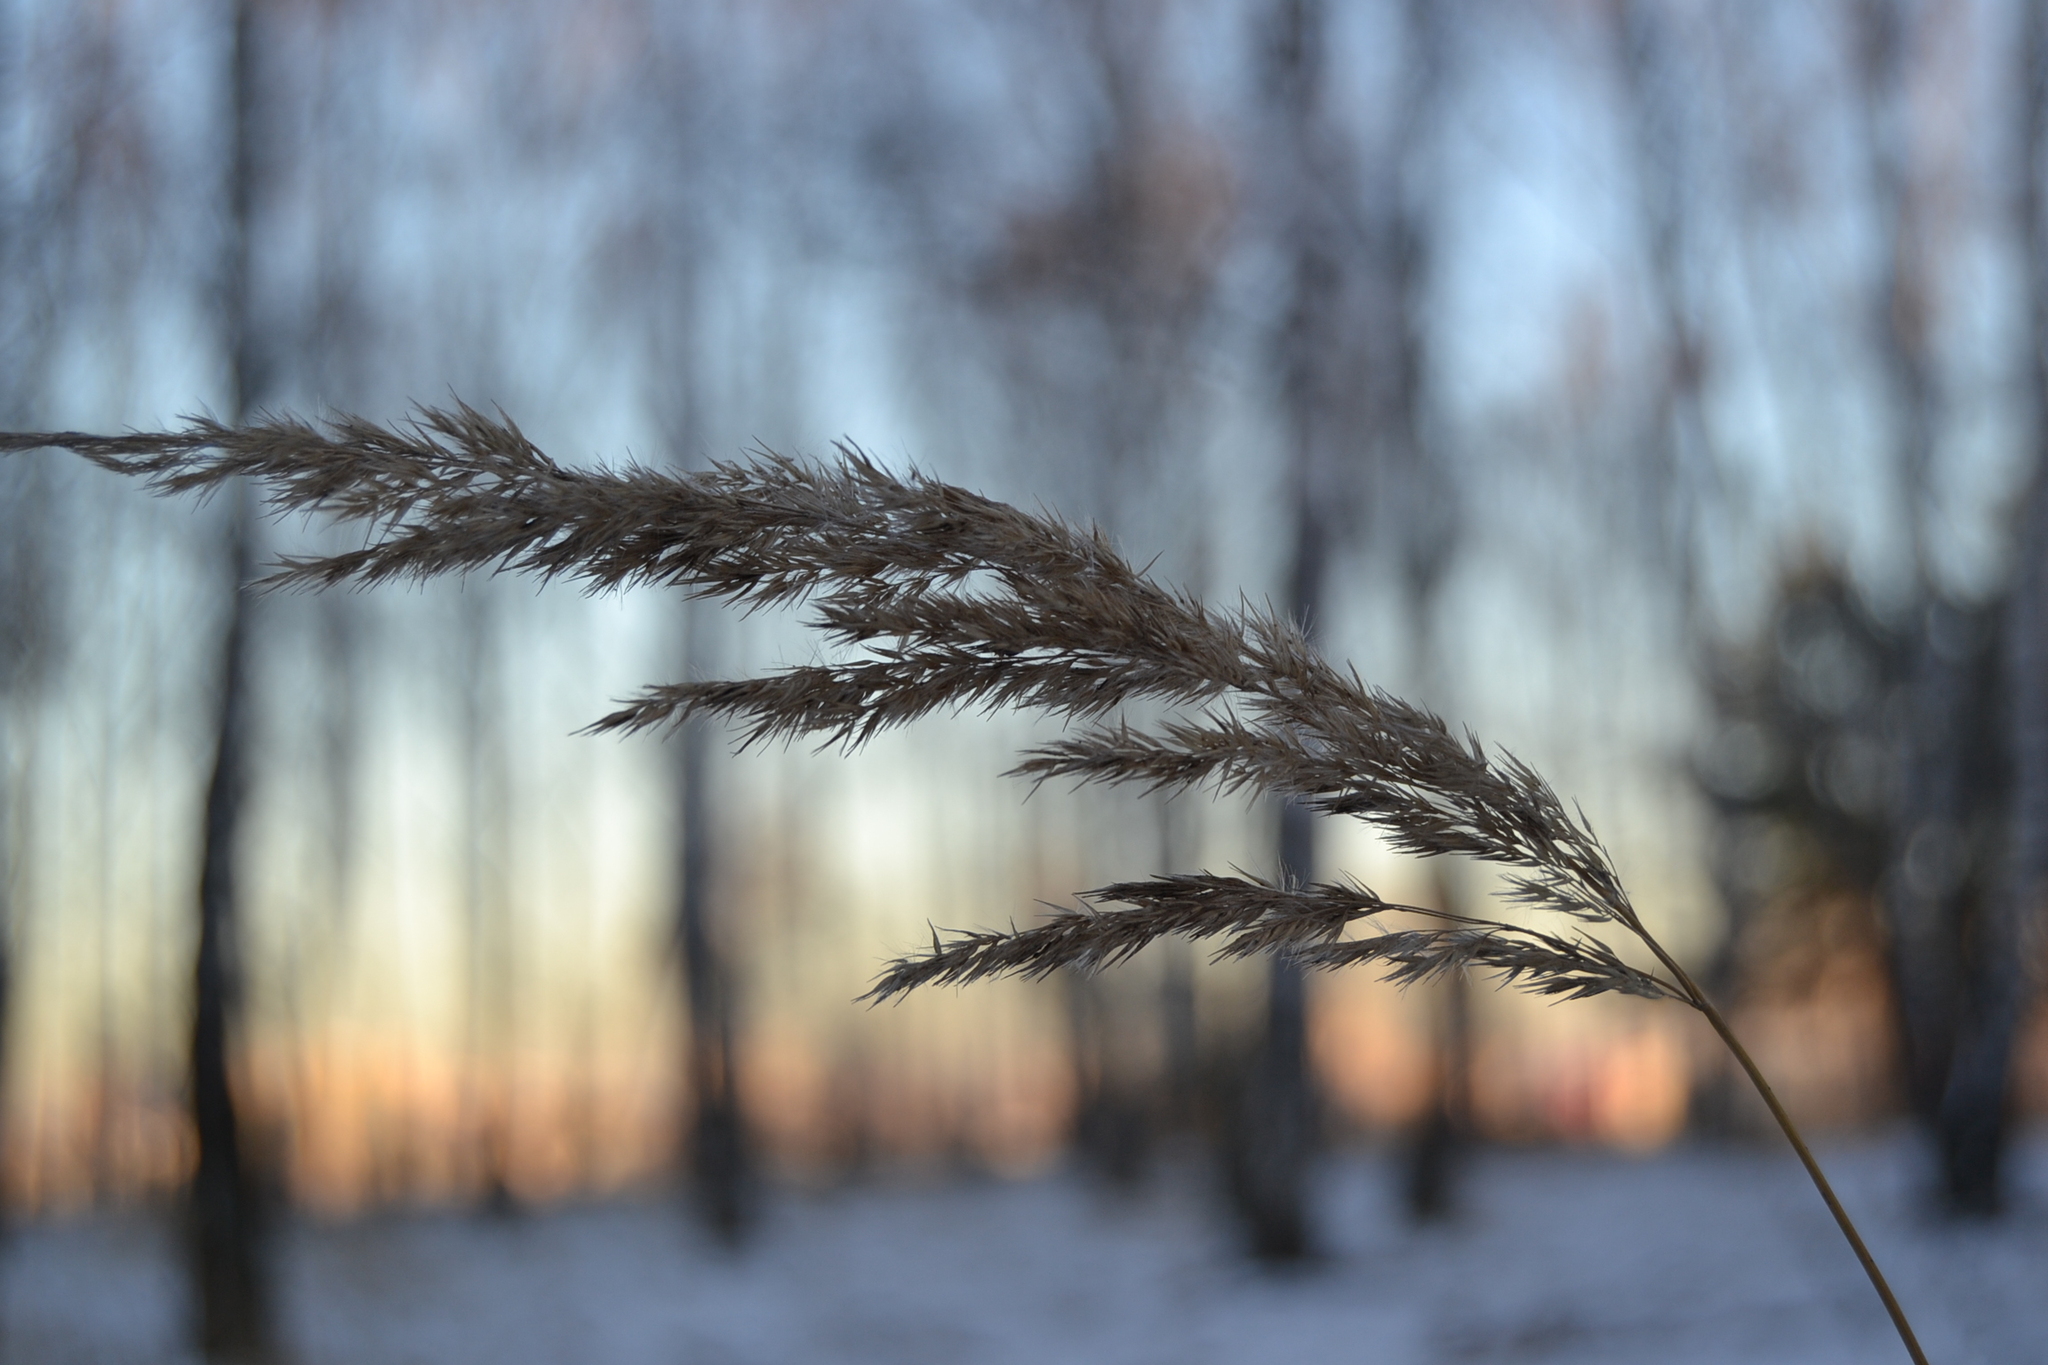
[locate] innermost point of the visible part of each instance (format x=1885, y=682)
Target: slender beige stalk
x=952, y=600
x=1819, y=1177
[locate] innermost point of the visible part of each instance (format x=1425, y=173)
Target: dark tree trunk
x=1281, y=1112
x=1971, y=1111
x=25, y=621
x=1951, y=996
x=1925, y=887
x=1269, y=1137
x=1351, y=350
x=1113, y=1113
x=1276, y=1126
x=7, y=884
x=1180, y=1098
x=225, y=1205
x=488, y=984
x=1439, y=1139
x=226, y=1213
x=1275, y=1129
x=1436, y=1146
x=1419, y=494
x=720, y=1169
x=1921, y=914
x=1974, y=1115
x=716, y=1149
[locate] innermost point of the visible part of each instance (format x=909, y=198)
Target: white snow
x=1691, y=1256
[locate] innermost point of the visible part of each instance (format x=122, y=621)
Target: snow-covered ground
x=1692, y=1256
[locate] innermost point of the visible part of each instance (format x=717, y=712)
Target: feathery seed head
x=955, y=601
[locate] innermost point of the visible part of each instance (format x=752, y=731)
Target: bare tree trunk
x=715, y=1150
x=486, y=912
x=1269, y=1141
x=8, y=864
x=108, y=1084
x=1434, y=1154
x=226, y=1211
x=1418, y=491
x=27, y=616
x=1923, y=910
x=1274, y=1142
x=10, y=776
x=1925, y=886
x=720, y=1171
x=1973, y=1118
x=1437, y=1145
x=1352, y=348
x=226, y=1216
x=1277, y=1129
x=20, y=628
x=716, y=1146
x=1179, y=1023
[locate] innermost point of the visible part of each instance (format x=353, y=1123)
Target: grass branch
x=946, y=600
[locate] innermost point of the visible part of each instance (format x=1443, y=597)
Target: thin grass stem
x=1792, y=1135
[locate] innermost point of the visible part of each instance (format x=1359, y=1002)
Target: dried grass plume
x=949, y=600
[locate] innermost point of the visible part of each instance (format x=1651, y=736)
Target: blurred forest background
x=1654, y=385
